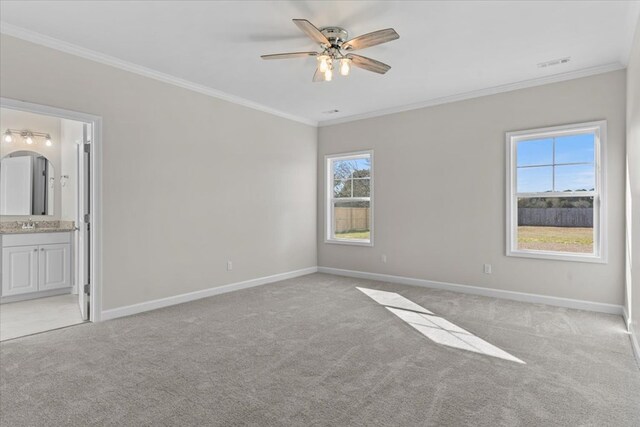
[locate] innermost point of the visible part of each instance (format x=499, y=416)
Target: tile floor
x=18, y=319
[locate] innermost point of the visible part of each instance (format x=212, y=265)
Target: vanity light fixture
x=29, y=137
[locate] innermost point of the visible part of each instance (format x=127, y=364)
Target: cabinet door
x=54, y=266
x=19, y=270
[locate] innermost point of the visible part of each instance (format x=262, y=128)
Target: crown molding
x=479, y=93
x=43, y=40
x=50, y=42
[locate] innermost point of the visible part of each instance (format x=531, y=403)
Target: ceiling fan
x=336, y=46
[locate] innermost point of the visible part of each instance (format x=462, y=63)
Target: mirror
x=26, y=184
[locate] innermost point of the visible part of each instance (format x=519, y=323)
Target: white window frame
x=599, y=128
x=329, y=200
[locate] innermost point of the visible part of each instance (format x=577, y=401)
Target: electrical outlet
x=384, y=259
x=487, y=269
x=229, y=266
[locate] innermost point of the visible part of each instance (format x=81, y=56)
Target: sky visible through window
x=351, y=178
x=565, y=163
x=344, y=168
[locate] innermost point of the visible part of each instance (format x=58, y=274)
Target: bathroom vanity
x=36, y=262
x=46, y=208
x=37, y=256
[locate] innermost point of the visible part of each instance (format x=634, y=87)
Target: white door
x=15, y=185
x=19, y=270
x=83, y=277
x=54, y=266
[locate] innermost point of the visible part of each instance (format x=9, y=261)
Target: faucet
x=29, y=225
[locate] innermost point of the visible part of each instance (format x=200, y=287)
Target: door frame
x=95, y=279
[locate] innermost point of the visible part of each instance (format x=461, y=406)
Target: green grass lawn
x=359, y=235
x=558, y=239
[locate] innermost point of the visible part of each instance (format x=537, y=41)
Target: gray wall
x=189, y=181
x=633, y=162
x=445, y=167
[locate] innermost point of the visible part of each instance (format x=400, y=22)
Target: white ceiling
x=445, y=50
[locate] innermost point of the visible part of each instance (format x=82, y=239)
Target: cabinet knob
x=35, y=250
x=42, y=249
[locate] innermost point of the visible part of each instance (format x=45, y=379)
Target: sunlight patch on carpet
x=436, y=328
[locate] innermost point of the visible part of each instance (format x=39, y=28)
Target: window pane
x=575, y=178
x=534, y=152
x=361, y=187
x=351, y=220
x=575, y=149
x=535, y=179
x=342, y=169
x=342, y=188
x=555, y=224
x=358, y=168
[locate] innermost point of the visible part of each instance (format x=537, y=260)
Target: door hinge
x=87, y=218
x=87, y=148
x=87, y=289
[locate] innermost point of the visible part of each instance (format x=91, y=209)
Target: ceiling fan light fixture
x=328, y=75
x=323, y=63
x=345, y=66
x=7, y=136
x=334, y=44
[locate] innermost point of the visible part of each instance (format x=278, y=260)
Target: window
x=555, y=193
x=349, y=189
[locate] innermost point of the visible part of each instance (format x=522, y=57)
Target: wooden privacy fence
x=556, y=217
x=351, y=219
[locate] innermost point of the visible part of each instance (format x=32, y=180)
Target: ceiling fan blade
x=368, y=64
x=318, y=76
x=371, y=39
x=289, y=55
x=311, y=31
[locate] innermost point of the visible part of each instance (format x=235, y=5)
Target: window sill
x=349, y=242
x=558, y=256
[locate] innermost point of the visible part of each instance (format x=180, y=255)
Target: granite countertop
x=15, y=227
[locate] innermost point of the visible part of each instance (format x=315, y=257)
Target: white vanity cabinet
x=35, y=262
x=54, y=266
x=19, y=270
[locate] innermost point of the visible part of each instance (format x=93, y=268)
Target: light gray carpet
x=316, y=351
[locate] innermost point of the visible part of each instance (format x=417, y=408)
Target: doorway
x=49, y=218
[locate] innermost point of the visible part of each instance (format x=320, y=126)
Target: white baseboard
x=634, y=343
x=477, y=290
x=625, y=316
x=632, y=335
x=191, y=296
